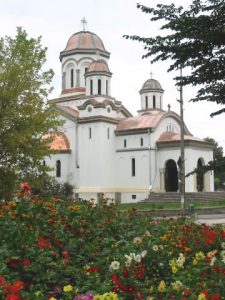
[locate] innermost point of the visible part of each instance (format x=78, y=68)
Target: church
x=102, y=148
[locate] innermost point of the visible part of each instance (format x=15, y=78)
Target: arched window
x=71, y=78
x=124, y=143
x=99, y=86
x=133, y=166
x=58, y=168
x=146, y=102
x=91, y=87
x=89, y=132
x=107, y=88
x=153, y=101
x=44, y=163
x=141, y=141
x=108, y=133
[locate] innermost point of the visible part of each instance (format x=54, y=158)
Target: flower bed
x=51, y=249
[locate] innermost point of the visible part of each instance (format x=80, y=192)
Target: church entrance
x=200, y=177
x=171, y=176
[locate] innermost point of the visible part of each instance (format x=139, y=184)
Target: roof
x=68, y=110
x=98, y=66
x=59, y=141
x=140, y=122
x=151, y=84
x=84, y=40
x=175, y=137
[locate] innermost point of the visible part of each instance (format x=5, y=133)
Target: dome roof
x=85, y=40
x=151, y=84
x=98, y=66
x=59, y=141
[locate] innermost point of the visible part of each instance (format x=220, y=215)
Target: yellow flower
x=150, y=298
x=177, y=285
x=200, y=255
x=212, y=253
x=162, y=286
x=98, y=297
x=110, y=296
x=151, y=289
x=194, y=261
x=201, y=297
x=38, y=293
x=67, y=288
x=52, y=298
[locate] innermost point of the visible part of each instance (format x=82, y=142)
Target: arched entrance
x=171, y=176
x=200, y=176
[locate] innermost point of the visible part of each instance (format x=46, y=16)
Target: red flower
x=215, y=297
x=115, y=279
x=65, y=254
x=122, y=287
x=18, y=286
x=2, y=280
x=92, y=269
x=139, y=296
x=130, y=288
x=43, y=243
x=26, y=262
x=13, y=263
x=223, y=234
x=125, y=273
x=13, y=297
x=186, y=292
x=25, y=188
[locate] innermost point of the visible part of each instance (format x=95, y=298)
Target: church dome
x=85, y=40
x=98, y=66
x=151, y=85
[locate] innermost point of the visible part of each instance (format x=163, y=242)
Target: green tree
x=218, y=164
x=25, y=115
x=193, y=38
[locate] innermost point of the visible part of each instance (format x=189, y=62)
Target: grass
x=155, y=206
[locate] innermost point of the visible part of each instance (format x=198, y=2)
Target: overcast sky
x=57, y=20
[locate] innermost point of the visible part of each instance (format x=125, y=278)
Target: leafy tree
x=194, y=38
x=24, y=113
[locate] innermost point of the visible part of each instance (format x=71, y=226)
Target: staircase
x=174, y=197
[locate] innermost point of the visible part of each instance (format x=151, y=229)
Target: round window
x=89, y=108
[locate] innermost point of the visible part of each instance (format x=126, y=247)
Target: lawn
x=52, y=249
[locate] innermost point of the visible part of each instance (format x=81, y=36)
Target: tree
x=25, y=115
x=194, y=38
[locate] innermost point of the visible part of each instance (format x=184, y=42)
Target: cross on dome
x=151, y=74
x=84, y=23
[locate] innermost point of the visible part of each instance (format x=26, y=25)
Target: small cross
x=84, y=23
x=151, y=74
x=169, y=106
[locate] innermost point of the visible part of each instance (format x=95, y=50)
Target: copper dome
x=98, y=66
x=84, y=40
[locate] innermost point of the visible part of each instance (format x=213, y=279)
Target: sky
x=57, y=20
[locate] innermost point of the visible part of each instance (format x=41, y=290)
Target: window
x=99, y=87
x=58, y=168
x=146, y=102
x=71, y=78
x=107, y=87
x=124, y=143
x=90, y=133
x=108, y=133
x=134, y=197
x=133, y=167
x=141, y=141
x=91, y=87
x=44, y=163
x=153, y=101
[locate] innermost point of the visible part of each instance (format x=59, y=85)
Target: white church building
x=103, y=148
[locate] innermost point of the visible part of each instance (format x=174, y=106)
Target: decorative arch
x=171, y=176
x=200, y=177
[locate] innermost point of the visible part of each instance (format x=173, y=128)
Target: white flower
x=180, y=260
x=223, y=245
x=177, y=285
x=114, y=265
x=137, y=240
x=155, y=248
x=213, y=259
x=144, y=253
x=137, y=258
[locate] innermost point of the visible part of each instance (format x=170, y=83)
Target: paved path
x=211, y=219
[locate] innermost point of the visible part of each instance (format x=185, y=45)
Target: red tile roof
x=59, y=142
x=175, y=137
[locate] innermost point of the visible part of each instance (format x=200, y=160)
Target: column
x=162, y=180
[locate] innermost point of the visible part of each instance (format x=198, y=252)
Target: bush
x=54, y=249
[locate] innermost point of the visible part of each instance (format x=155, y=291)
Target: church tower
x=151, y=95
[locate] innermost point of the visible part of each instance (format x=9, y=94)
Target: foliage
x=193, y=38
x=24, y=115
x=52, y=249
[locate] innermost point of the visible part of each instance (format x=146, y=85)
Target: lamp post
x=182, y=159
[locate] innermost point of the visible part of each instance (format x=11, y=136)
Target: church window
x=134, y=197
x=89, y=109
x=89, y=132
x=125, y=143
x=133, y=167
x=141, y=141
x=153, y=101
x=107, y=87
x=99, y=86
x=58, y=168
x=91, y=87
x=108, y=133
x=71, y=77
x=146, y=102
x=108, y=109
x=44, y=163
